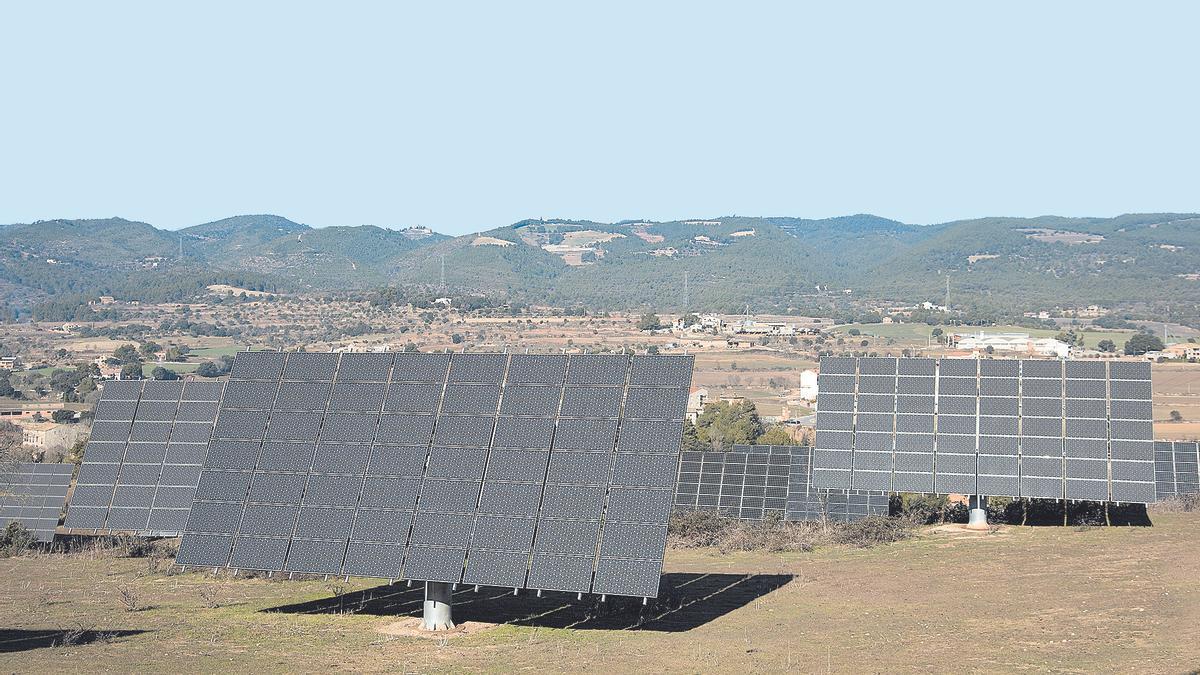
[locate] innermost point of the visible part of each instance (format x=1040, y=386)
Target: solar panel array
x=142, y=462
x=1175, y=469
x=1031, y=428
x=754, y=482
x=806, y=502
x=539, y=471
x=33, y=495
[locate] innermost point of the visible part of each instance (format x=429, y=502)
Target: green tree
x=131, y=371
x=776, y=435
x=126, y=354
x=691, y=439
x=1176, y=416
x=63, y=416
x=149, y=349
x=690, y=319
x=457, y=338
x=1140, y=343
x=160, y=373
x=649, y=322
x=1107, y=345
x=175, y=354
x=722, y=425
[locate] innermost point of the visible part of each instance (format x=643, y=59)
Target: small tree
x=1140, y=343
x=1176, y=416
x=63, y=416
x=126, y=354
x=131, y=371
x=160, y=373
x=1107, y=345
x=649, y=322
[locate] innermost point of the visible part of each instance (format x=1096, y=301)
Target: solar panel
x=530, y=471
x=758, y=482
x=32, y=494
x=1031, y=428
x=1176, y=469
x=140, y=473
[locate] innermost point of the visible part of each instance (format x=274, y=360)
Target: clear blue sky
x=465, y=116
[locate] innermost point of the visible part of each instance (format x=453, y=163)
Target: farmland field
x=1072, y=599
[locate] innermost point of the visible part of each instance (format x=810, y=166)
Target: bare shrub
x=210, y=595
x=73, y=635
x=876, y=530
x=706, y=529
x=130, y=599
x=1185, y=503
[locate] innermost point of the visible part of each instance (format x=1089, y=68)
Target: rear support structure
x=436, y=611
x=977, y=516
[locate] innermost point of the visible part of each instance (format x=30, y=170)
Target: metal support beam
x=436, y=612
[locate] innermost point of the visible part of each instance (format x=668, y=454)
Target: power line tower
x=946, y=303
x=442, y=274
x=685, y=291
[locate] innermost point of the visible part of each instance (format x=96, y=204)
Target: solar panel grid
x=145, y=481
x=33, y=494
x=1032, y=428
x=475, y=494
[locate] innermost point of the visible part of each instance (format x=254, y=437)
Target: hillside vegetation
x=770, y=264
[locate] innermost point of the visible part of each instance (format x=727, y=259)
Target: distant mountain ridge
x=771, y=263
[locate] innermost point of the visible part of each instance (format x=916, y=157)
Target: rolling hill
x=775, y=264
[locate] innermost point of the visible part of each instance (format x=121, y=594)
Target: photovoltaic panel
x=140, y=474
x=757, y=482
x=517, y=471
x=1176, y=467
x=33, y=495
x=1031, y=428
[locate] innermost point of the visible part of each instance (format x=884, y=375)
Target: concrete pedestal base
x=436, y=612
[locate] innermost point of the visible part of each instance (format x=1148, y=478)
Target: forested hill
x=781, y=263
x=768, y=263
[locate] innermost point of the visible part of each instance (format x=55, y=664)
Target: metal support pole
x=436, y=612
x=977, y=517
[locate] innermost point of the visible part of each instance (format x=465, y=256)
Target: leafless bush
x=1185, y=503
x=875, y=530
x=211, y=596
x=73, y=635
x=706, y=529
x=130, y=599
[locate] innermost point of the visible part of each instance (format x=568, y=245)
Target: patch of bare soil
x=410, y=626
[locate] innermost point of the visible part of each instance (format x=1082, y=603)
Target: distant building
x=50, y=436
x=14, y=411
x=697, y=399
x=929, y=306
x=1018, y=343
x=808, y=385
x=752, y=327
x=1182, y=350
x=8, y=363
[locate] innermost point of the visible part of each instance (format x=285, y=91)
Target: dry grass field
x=1120, y=599
x=1177, y=387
